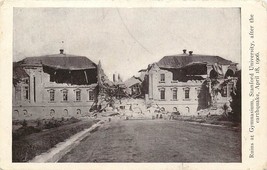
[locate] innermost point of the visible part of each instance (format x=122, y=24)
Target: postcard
x=131, y=84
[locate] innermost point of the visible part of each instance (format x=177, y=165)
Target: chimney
x=119, y=78
x=184, y=50
x=190, y=52
x=114, y=78
x=61, y=51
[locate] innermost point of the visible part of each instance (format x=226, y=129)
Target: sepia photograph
x=135, y=85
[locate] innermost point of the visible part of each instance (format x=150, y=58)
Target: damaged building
x=187, y=82
x=136, y=86
x=58, y=85
x=133, y=86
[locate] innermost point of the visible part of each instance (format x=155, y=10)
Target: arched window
x=66, y=113
x=213, y=74
x=16, y=113
x=175, y=109
x=78, y=111
x=187, y=109
x=25, y=112
x=229, y=73
x=52, y=112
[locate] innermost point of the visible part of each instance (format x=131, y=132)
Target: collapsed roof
x=77, y=77
x=62, y=68
x=132, y=81
x=184, y=60
x=60, y=61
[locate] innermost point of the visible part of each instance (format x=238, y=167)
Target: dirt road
x=157, y=141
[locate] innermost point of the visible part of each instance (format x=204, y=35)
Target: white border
x=258, y=8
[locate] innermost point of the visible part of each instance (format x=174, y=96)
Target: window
x=224, y=91
x=91, y=95
x=198, y=92
x=26, y=81
x=227, y=90
x=78, y=95
x=66, y=113
x=174, y=94
x=16, y=113
x=26, y=93
x=230, y=89
x=162, y=94
x=78, y=111
x=186, y=93
x=187, y=109
x=34, y=90
x=52, y=95
x=229, y=73
x=25, y=112
x=162, y=77
x=52, y=112
x=65, y=95
x=213, y=74
x=18, y=93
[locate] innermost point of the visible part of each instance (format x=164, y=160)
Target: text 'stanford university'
x=59, y=84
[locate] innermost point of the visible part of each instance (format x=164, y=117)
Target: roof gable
x=178, y=61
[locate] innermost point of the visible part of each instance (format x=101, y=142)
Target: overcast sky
x=127, y=39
